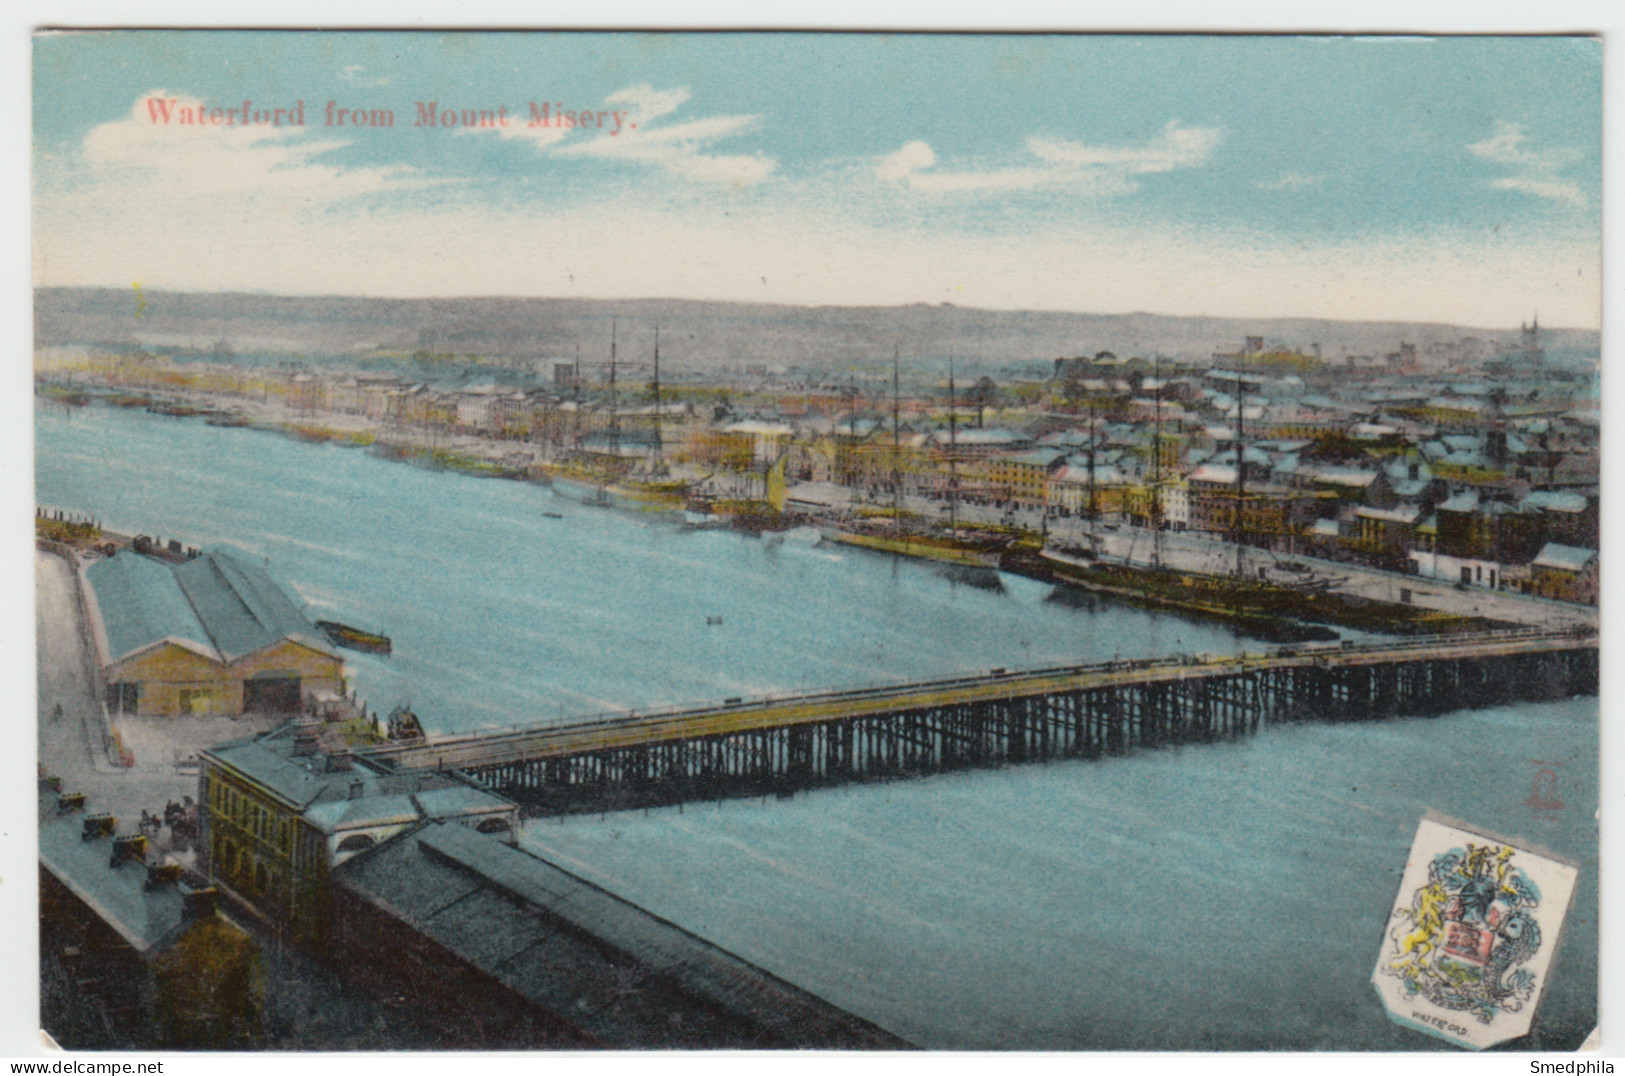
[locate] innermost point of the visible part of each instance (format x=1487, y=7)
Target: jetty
x=786, y=743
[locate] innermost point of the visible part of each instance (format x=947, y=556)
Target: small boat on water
x=354, y=638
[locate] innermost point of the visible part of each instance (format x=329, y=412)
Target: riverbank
x=1361, y=599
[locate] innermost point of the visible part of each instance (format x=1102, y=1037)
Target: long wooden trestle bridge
x=781, y=744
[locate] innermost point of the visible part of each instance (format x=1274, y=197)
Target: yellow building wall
x=176, y=681
x=318, y=670
x=169, y=670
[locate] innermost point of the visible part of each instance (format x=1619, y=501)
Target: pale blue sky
x=1450, y=179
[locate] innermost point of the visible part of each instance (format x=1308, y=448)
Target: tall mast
x=953, y=451
x=896, y=452
x=614, y=404
x=658, y=461
x=1238, y=532
x=575, y=416
x=1094, y=509
x=1156, y=468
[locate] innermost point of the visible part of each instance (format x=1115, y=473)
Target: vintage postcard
x=846, y=541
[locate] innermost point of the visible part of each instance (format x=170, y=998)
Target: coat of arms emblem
x=1471, y=935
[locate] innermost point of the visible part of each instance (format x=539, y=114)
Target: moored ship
x=353, y=638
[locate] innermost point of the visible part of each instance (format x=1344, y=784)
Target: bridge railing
x=632, y=718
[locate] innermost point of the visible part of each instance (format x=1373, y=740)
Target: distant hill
x=693, y=334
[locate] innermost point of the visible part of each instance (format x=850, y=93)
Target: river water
x=501, y=613
x=1227, y=896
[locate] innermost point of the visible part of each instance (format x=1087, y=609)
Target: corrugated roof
x=141, y=604
x=215, y=604
x=242, y=609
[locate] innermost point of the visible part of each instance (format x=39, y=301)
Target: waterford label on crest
x=1471, y=935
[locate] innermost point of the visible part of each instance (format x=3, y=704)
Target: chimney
x=357, y=788
x=306, y=741
x=339, y=760
x=98, y=825
x=131, y=847
x=162, y=874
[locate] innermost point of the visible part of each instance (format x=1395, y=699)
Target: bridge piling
x=1076, y=712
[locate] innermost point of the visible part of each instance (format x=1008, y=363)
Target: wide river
x=1222, y=896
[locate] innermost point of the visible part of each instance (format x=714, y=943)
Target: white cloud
x=1556, y=190
x=146, y=157
x=898, y=166
x=623, y=245
x=1090, y=169
x=1288, y=181
x=679, y=149
x=357, y=74
x=1176, y=147
x=1537, y=170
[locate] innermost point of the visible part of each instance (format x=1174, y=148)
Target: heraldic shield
x=1471, y=936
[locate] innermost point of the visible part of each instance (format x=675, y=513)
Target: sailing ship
x=899, y=533
x=1283, y=600
x=603, y=481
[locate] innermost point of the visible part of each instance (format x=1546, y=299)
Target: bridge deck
x=500, y=746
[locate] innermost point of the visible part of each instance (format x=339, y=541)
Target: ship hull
x=354, y=638
x=947, y=550
x=1270, y=610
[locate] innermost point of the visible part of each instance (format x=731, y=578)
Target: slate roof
x=146, y=919
x=1044, y=457
x=994, y=436
x=543, y=932
x=353, y=798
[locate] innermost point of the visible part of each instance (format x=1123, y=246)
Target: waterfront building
x=1023, y=480
x=1565, y=572
x=502, y=948
x=210, y=635
x=128, y=946
x=281, y=810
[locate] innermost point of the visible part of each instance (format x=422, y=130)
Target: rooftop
x=141, y=604
x=145, y=918
x=1566, y=558
x=542, y=932
x=352, y=795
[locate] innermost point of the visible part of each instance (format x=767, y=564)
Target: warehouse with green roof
x=210, y=635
